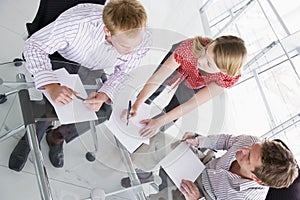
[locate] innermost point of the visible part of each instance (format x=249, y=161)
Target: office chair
x=47, y=12
x=292, y=192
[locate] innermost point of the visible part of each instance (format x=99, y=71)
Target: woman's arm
x=167, y=68
x=198, y=99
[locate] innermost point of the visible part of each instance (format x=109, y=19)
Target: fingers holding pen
x=191, y=139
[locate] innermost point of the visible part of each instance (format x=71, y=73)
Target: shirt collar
x=244, y=184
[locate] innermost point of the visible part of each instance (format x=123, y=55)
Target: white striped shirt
x=77, y=34
x=222, y=184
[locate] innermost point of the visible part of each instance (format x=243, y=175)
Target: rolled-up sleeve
x=39, y=46
x=225, y=141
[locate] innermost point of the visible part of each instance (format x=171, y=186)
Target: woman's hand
x=151, y=128
x=191, y=139
x=189, y=190
x=133, y=112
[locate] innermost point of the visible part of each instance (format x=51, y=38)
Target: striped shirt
x=218, y=181
x=77, y=34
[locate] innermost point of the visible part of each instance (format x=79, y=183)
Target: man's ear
x=106, y=31
x=257, y=179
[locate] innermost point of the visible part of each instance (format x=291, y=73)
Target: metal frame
x=282, y=127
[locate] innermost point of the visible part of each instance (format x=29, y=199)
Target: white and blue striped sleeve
x=55, y=36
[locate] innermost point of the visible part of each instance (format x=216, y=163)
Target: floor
x=78, y=177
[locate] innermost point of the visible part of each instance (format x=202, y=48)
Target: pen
x=80, y=98
x=192, y=137
x=128, y=112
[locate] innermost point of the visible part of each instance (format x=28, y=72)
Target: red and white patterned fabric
x=188, y=69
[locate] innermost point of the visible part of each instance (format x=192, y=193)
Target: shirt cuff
x=108, y=90
x=44, y=78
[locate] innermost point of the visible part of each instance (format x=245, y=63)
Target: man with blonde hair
x=96, y=37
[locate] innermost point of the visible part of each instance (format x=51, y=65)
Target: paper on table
x=74, y=111
x=129, y=135
x=182, y=163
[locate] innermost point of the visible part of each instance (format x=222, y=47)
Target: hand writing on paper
x=189, y=190
x=61, y=95
x=151, y=128
x=191, y=139
x=133, y=112
x=95, y=100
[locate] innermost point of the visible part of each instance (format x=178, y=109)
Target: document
x=74, y=111
x=128, y=135
x=182, y=163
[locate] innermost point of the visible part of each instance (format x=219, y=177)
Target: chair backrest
x=291, y=193
x=48, y=11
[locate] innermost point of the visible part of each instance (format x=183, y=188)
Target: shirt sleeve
x=181, y=53
x=226, y=81
x=55, y=36
x=124, y=66
x=225, y=141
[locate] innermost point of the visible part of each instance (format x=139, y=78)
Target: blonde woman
x=201, y=68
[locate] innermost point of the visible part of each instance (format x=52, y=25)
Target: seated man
x=96, y=37
x=246, y=171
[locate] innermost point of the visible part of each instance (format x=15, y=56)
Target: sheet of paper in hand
x=74, y=111
x=128, y=135
x=182, y=163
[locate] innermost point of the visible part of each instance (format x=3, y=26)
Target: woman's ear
x=257, y=180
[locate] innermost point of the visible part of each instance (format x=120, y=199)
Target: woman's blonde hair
x=229, y=52
x=124, y=15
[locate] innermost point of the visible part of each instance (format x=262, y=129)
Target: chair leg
x=91, y=156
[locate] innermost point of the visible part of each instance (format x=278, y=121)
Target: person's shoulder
x=248, y=139
x=225, y=80
x=84, y=11
x=187, y=42
x=87, y=6
x=184, y=47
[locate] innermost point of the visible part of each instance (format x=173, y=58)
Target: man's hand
x=190, y=139
x=189, y=190
x=61, y=95
x=95, y=100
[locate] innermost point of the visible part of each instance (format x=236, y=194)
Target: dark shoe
x=19, y=155
x=144, y=177
x=56, y=154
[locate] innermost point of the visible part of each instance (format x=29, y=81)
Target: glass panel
x=249, y=115
x=289, y=11
x=282, y=89
x=291, y=138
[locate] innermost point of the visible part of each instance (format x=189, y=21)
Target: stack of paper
x=182, y=163
x=129, y=135
x=74, y=111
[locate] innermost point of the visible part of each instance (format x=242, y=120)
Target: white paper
x=129, y=135
x=182, y=163
x=74, y=111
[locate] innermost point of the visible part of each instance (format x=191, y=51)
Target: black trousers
x=182, y=94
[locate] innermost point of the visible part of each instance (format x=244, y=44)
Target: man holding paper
x=245, y=171
x=96, y=37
